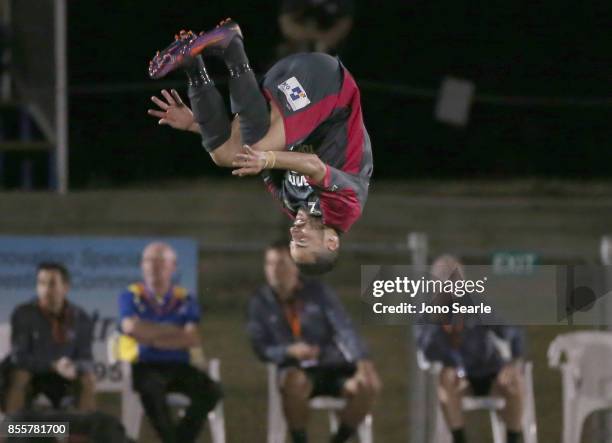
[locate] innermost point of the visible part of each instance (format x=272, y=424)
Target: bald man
x=159, y=321
x=472, y=362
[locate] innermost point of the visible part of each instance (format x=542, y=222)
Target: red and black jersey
x=321, y=109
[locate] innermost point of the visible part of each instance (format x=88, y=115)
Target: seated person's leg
x=53, y=386
x=204, y=394
x=360, y=394
x=19, y=382
x=451, y=389
x=86, y=389
x=296, y=389
x=150, y=381
x=509, y=384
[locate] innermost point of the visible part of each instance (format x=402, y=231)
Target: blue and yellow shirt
x=177, y=307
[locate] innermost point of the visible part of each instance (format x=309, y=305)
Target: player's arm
x=146, y=331
x=252, y=162
x=187, y=337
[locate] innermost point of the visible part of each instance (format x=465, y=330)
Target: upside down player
x=303, y=129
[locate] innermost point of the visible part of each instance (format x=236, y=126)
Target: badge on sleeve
x=295, y=94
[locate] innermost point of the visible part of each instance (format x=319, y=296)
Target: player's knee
x=295, y=383
x=449, y=380
x=513, y=388
x=206, y=398
x=368, y=390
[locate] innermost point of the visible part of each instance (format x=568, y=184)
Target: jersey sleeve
x=127, y=307
x=192, y=312
x=341, y=195
x=305, y=89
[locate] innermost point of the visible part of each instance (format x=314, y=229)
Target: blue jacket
x=324, y=322
x=477, y=353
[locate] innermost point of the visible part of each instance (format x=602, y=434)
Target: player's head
x=447, y=267
x=158, y=266
x=52, y=285
x=281, y=272
x=314, y=246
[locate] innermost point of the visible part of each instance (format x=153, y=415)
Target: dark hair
x=54, y=266
x=278, y=245
x=324, y=262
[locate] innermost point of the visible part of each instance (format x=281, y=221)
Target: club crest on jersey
x=294, y=93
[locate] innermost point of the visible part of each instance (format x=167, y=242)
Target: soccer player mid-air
x=303, y=130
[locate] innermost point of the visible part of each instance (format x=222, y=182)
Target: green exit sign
x=514, y=262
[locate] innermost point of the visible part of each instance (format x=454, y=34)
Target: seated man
x=303, y=130
x=160, y=323
x=302, y=328
x=51, y=341
x=473, y=362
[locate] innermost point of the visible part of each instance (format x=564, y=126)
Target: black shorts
x=481, y=386
x=53, y=386
x=162, y=378
x=329, y=381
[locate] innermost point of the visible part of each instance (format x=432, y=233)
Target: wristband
x=270, y=160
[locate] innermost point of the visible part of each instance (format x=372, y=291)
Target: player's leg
x=207, y=106
x=246, y=98
x=19, y=382
x=203, y=393
x=451, y=389
x=151, y=384
x=360, y=396
x=86, y=389
x=295, y=390
x=509, y=385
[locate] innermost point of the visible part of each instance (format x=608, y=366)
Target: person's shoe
x=187, y=45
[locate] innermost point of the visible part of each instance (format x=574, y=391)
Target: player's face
x=158, y=266
x=307, y=237
x=281, y=272
x=51, y=289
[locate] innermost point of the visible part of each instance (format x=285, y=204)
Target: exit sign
x=514, y=262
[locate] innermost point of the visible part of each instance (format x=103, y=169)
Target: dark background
x=537, y=49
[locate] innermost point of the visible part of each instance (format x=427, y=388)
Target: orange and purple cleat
x=187, y=45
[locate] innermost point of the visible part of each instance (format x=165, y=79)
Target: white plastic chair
x=586, y=377
x=132, y=410
x=493, y=405
x=277, y=426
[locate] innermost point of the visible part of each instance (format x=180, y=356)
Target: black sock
x=207, y=106
x=513, y=437
x=459, y=435
x=247, y=99
x=298, y=436
x=344, y=433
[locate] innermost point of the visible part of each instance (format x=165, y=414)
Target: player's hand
x=248, y=162
x=303, y=351
x=173, y=112
x=66, y=368
x=509, y=377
